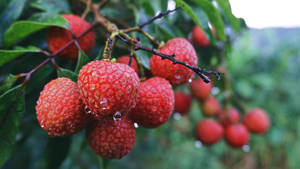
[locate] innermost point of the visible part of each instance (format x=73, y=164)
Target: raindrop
x=136, y=125
x=103, y=104
x=177, y=77
x=177, y=116
x=103, y=101
x=190, y=80
x=246, y=148
x=198, y=144
x=117, y=116
x=215, y=91
x=87, y=110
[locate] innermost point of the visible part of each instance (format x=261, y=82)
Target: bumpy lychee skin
x=111, y=138
x=59, y=37
x=125, y=60
x=108, y=88
x=199, y=37
x=236, y=135
x=209, y=131
x=59, y=109
x=176, y=74
x=228, y=117
x=200, y=89
x=211, y=107
x=155, y=103
x=182, y=103
x=257, y=121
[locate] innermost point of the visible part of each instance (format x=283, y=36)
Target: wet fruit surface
x=107, y=88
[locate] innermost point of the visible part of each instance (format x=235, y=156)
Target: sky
x=268, y=13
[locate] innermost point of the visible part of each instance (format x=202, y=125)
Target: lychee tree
x=96, y=75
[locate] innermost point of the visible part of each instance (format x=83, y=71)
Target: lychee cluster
x=227, y=121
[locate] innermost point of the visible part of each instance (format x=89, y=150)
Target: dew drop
x=177, y=77
x=103, y=101
x=117, y=116
x=246, y=148
x=87, y=110
x=198, y=144
x=190, y=80
x=136, y=125
x=215, y=91
x=177, y=116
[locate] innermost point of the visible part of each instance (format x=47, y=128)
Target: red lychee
x=228, y=117
x=182, y=103
x=200, y=89
x=177, y=74
x=126, y=59
x=111, y=138
x=257, y=121
x=199, y=37
x=59, y=37
x=108, y=88
x=236, y=135
x=211, y=107
x=209, y=131
x=155, y=103
x=59, y=109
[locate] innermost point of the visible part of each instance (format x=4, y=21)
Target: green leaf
x=67, y=73
x=8, y=55
x=12, y=109
x=225, y=6
x=9, y=14
x=188, y=10
x=21, y=29
x=213, y=16
x=143, y=57
x=81, y=61
x=7, y=83
x=56, y=151
x=99, y=56
x=53, y=6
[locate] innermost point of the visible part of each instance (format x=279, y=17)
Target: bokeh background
x=263, y=65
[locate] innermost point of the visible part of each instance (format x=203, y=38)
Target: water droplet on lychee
x=177, y=116
x=198, y=144
x=246, y=148
x=177, y=77
x=190, y=80
x=87, y=110
x=136, y=125
x=117, y=116
x=103, y=101
x=103, y=104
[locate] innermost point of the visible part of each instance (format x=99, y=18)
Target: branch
x=160, y=15
x=201, y=72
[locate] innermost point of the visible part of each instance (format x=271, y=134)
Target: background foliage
x=263, y=66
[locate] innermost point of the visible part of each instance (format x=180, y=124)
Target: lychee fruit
x=200, y=89
x=182, y=103
x=126, y=59
x=199, y=37
x=155, y=103
x=177, y=74
x=59, y=37
x=211, y=106
x=228, y=117
x=59, y=109
x=209, y=131
x=257, y=121
x=111, y=138
x=236, y=135
x=108, y=88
